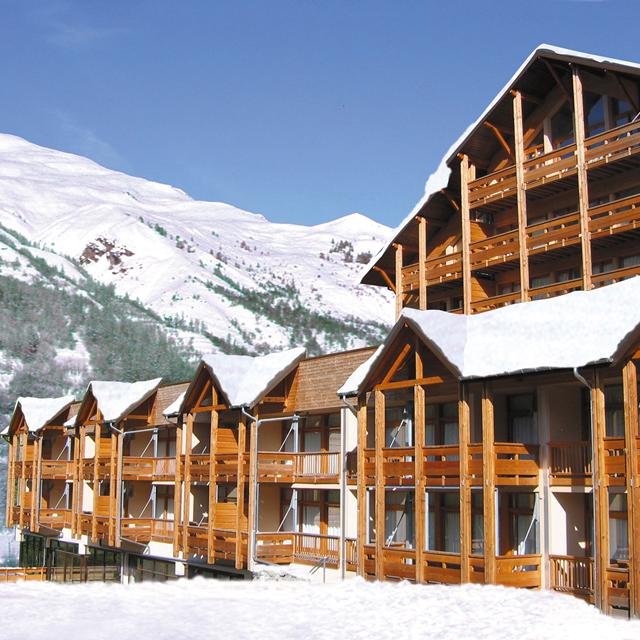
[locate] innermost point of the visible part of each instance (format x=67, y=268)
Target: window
x=399, y=519
x=562, y=127
x=614, y=411
x=443, y=522
x=594, y=113
x=618, y=528
x=398, y=420
x=521, y=418
x=442, y=423
x=521, y=537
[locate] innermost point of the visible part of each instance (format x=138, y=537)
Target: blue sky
x=303, y=110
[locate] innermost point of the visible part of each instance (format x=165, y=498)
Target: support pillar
x=464, y=437
x=488, y=485
x=419, y=400
x=361, y=480
x=379, y=403
x=521, y=196
x=186, y=506
x=242, y=438
x=466, y=233
x=422, y=267
x=399, y=292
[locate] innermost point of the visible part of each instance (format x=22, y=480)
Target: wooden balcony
x=22, y=574
x=87, y=468
x=441, y=465
x=617, y=585
x=519, y=571
x=604, y=148
x=351, y=552
x=398, y=465
x=369, y=568
x=57, y=469
x=312, y=467
x=146, y=529
x=441, y=567
x=439, y=270
x=57, y=519
x=619, y=216
x=226, y=466
x=570, y=463
x=573, y=575
x=614, y=462
x=493, y=302
x=516, y=464
x=153, y=469
x=199, y=465
x=305, y=548
x=399, y=563
x=85, y=524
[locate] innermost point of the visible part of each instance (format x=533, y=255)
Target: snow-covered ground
x=277, y=610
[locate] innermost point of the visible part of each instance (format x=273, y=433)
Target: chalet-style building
x=492, y=438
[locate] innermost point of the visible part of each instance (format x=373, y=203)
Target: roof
x=318, y=378
x=570, y=331
x=243, y=380
x=38, y=412
x=116, y=399
x=439, y=179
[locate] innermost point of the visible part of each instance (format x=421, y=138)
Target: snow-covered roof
x=570, y=331
x=439, y=179
x=38, y=412
x=5, y=431
x=174, y=408
x=245, y=379
x=116, y=399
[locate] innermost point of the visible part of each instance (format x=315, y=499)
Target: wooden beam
x=253, y=488
x=422, y=267
x=113, y=479
x=521, y=196
x=452, y=201
x=403, y=384
x=583, y=188
x=213, y=484
x=214, y=407
x=118, y=492
x=186, y=507
x=419, y=401
x=464, y=437
x=630, y=386
x=177, y=491
x=399, y=293
x=385, y=277
x=379, y=406
x=398, y=362
x=466, y=233
x=488, y=484
x=361, y=483
x=559, y=82
x=500, y=137
x=240, y=503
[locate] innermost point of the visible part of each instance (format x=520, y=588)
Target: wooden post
x=242, y=440
x=177, y=491
x=361, y=480
x=35, y=485
x=521, y=196
x=10, y=483
x=583, y=186
x=113, y=479
x=253, y=491
x=399, y=294
x=630, y=383
x=80, y=492
x=187, y=487
x=213, y=477
x=118, y=487
x=22, y=487
x=96, y=481
x=419, y=403
x=379, y=405
x=601, y=494
x=464, y=437
x=466, y=234
x=422, y=266
x=488, y=485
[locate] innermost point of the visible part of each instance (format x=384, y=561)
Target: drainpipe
x=596, y=568
x=343, y=484
x=254, y=443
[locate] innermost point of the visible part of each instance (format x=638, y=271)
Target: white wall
x=567, y=534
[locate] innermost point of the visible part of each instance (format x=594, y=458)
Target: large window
x=521, y=418
x=399, y=519
x=443, y=521
x=32, y=551
x=399, y=419
x=618, y=529
x=442, y=423
x=614, y=411
x=518, y=524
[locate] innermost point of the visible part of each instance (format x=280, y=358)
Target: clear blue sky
x=302, y=110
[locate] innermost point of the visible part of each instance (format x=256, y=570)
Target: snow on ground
x=277, y=610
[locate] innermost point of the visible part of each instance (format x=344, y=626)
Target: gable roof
x=439, y=179
x=567, y=332
x=38, y=412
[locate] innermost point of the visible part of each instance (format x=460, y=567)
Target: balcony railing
x=441, y=567
x=614, y=461
x=306, y=548
x=614, y=217
x=519, y=571
x=321, y=466
x=199, y=467
x=438, y=270
x=399, y=465
x=148, y=468
x=570, y=574
x=570, y=463
x=21, y=574
x=147, y=529
x=441, y=465
x=55, y=518
x=56, y=469
x=516, y=464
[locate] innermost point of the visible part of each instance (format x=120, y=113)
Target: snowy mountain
x=224, y=278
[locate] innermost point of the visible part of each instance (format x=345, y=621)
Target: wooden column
x=186, y=507
x=253, y=490
x=177, y=491
x=118, y=486
x=79, y=490
x=419, y=401
x=213, y=477
x=488, y=485
x=22, y=484
x=466, y=234
x=422, y=266
x=35, y=485
x=521, y=196
x=464, y=437
x=361, y=486
x=242, y=443
x=10, y=482
x=630, y=383
x=601, y=511
x=379, y=404
x=399, y=293
x=583, y=186
x=96, y=482
x=113, y=500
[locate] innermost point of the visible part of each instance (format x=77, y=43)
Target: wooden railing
x=519, y=571
x=441, y=269
x=398, y=465
x=146, y=529
x=497, y=249
x=197, y=539
x=476, y=569
x=351, y=552
x=87, y=467
x=369, y=568
x=617, y=585
x=55, y=518
x=613, y=144
x=493, y=302
x=441, y=567
x=22, y=574
x=516, y=464
x=306, y=548
x=226, y=466
x=370, y=466
x=614, y=461
x=571, y=574
x=441, y=465
x=148, y=468
x=614, y=275
x=570, y=463
x=475, y=464
x=555, y=288
x=311, y=547
x=56, y=469
x=399, y=563
x=614, y=217
x=556, y=233
x=317, y=466
x=199, y=467
x=85, y=524
x=277, y=548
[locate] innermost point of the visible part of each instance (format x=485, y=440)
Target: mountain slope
x=245, y=283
